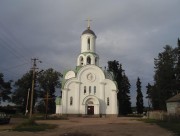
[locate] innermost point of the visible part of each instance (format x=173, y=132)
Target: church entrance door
x=90, y=110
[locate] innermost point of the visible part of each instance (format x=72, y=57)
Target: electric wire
x=10, y=40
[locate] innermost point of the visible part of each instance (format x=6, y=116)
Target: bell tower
x=88, y=54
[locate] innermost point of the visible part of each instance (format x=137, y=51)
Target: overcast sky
x=130, y=31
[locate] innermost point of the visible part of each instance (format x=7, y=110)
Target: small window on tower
x=108, y=101
x=88, y=60
x=89, y=89
x=94, y=89
x=88, y=43
x=84, y=89
x=96, y=60
x=81, y=60
x=71, y=100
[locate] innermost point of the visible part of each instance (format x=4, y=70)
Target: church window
x=71, y=100
x=90, y=102
x=84, y=89
x=88, y=42
x=89, y=89
x=96, y=60
x=88, y=60
x=108, y=101
x=81, y=60
x=94, y=89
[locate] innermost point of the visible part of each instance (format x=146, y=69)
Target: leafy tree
x=20, y=93
x=139, y=98
x=123, y=87
x=49, y=80
x=41, y=106
x=5, y=89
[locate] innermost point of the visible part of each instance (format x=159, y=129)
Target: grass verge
x=76, y=134
x=171, y=125
x=31, y=125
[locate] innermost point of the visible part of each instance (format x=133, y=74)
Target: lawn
x=171, y=125
x=31, y=125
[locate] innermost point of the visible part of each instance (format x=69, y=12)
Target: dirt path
x=95, y=126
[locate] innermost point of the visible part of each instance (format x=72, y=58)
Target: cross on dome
x=88, y=23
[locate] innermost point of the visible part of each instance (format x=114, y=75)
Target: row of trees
x=5, y=89
x=46, y=82
x=166, y=78
x=123, y=85
x=166, y=84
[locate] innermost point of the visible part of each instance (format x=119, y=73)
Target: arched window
x=96, y=60
x=71, y=100
x=88, y=60
x=90, y=102
x=84, y=89
x=88, y=43
x=94, y=89
x=108, y=101
x=89, y=89
x=81, y=60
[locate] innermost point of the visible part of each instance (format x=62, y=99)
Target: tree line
x=46, y=82
x=166, y=84
x=166, y=78
x=49, y=80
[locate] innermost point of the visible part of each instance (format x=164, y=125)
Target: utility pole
x=27, y=102
x=33, y=81
x=47, y=98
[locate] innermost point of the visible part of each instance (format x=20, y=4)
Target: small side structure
x=173, y=105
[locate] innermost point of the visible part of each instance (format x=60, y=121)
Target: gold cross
x=88, y=20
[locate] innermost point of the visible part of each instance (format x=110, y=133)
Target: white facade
x=88, y=90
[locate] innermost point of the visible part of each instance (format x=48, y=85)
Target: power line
x=10, y=49
x=10, y=40
x=14, y=67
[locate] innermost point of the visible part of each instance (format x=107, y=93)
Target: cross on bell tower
x=88, y=23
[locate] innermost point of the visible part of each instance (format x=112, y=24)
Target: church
x=88, y=89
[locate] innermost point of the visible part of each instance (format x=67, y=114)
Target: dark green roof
x=89, y=31
x=175, y=98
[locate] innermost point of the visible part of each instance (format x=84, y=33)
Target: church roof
x=175, y=98
x=89, y=31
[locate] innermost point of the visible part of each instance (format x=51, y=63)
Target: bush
x=31, y=125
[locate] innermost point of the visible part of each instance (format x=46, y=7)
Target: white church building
x=88, y=90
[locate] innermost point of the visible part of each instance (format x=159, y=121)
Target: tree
x=49, y=80
x=164, y=78
x=20, y=93
x=177, y=68
x=149, y=94
x=123, y=86
x=139, y=98
x=125, y=101
x=5, y=89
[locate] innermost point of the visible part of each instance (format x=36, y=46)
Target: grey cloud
x=132, y=32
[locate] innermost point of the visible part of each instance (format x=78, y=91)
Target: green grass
x=172, y=125
x=31, y=125
x=76, y=134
